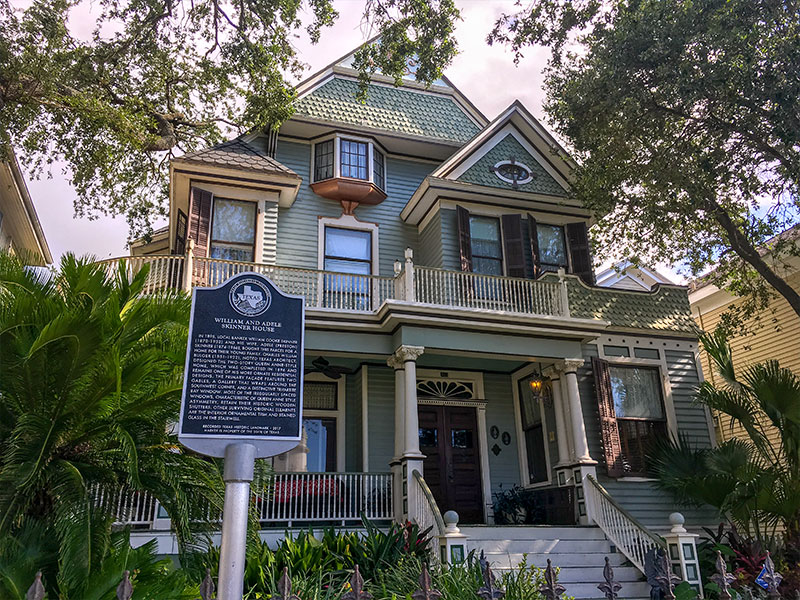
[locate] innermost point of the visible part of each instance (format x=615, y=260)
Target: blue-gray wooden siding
x=353, y=419
x=504, y=467
x=298, y=225
x=381, y=418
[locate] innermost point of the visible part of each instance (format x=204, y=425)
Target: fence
x=663, y=580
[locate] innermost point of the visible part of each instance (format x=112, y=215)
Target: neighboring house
x=627, y=276
x=20, y=229
x=454, y=331
x=771, y=334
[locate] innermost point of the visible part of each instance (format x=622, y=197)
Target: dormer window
x=350, y=170
x=351, y=158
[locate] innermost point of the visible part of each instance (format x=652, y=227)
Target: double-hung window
x=487, y=250
x=348, y=254
x=552, y=247
x=233, y=229
x=354, y=159
x=323, y=160
x=378, y=168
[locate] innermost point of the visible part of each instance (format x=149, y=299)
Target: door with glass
x=448, y=437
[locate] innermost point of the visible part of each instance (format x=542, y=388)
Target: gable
x=509, y=148
x=388, y=108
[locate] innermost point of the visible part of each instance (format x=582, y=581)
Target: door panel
x=449, y=440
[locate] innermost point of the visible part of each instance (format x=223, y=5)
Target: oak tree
x=157, y=78
x=684, y=117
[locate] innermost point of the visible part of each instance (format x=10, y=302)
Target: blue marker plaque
x=243, y=381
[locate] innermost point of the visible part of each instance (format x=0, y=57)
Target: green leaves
x=159, y=78
x=683, y=118
x=90, y=380
x=753, y=479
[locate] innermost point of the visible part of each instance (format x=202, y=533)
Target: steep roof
x=393, y=109
x=237, y=154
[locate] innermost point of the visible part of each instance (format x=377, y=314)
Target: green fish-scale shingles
x=481, y=172
x=392, y=109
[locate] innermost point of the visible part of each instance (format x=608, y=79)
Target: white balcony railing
x=364, y=293
x=284, y=499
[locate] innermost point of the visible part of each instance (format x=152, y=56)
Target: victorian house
x=456, y=343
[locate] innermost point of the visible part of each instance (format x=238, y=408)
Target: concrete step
x=589, y=591
x=540, y=546
x=563, y=560
x=532, y=532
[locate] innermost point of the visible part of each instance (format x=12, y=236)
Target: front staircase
x=578, y=551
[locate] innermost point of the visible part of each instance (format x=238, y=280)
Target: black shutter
x=180, y=233
x=579, y=254
x=200, y=220
x=609, y=433
x=534, y=240
x=513, y=245
x=464, y=238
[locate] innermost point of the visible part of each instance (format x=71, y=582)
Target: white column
x=399, y=404
x=576, y=412
x=409, y=356
x=561, y=427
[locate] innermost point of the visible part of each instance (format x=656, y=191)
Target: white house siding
x=503, y=468
x=381, y=417
x=353, y=416
x=298, y=225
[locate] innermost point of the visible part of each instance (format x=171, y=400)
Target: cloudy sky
x=487, y=75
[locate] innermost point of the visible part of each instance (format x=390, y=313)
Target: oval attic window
x=513, y=172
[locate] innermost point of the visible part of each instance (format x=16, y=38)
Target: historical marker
x=243, y=380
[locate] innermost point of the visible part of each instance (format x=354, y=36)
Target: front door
x=448, y=437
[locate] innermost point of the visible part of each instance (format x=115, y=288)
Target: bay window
x=351, y=159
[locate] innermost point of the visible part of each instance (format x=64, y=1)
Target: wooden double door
x=448, y=437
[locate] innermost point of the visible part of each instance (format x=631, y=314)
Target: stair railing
x=631, y=537
x=425, y=510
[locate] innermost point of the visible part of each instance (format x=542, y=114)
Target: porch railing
x=331, y=497
x=283, y=498
x=632, y=538
x=426, y=513
x=363, y=293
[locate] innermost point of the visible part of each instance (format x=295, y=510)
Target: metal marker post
x=237, y=474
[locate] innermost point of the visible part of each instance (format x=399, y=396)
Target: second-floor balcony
x=327, y=290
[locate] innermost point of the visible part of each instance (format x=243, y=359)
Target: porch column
x=571, y=367
x=409, y=356
x=583, y=465
x=400, y=489
x=399, y=404
x=561, y=428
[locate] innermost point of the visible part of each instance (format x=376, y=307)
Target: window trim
x=347, y=222
x=663, y=370
x=499, y=241
x=568, y=266
x=337, y=138
x=522, y=445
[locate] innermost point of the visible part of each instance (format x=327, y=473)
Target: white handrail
x=423, y=509
x=632, y=538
